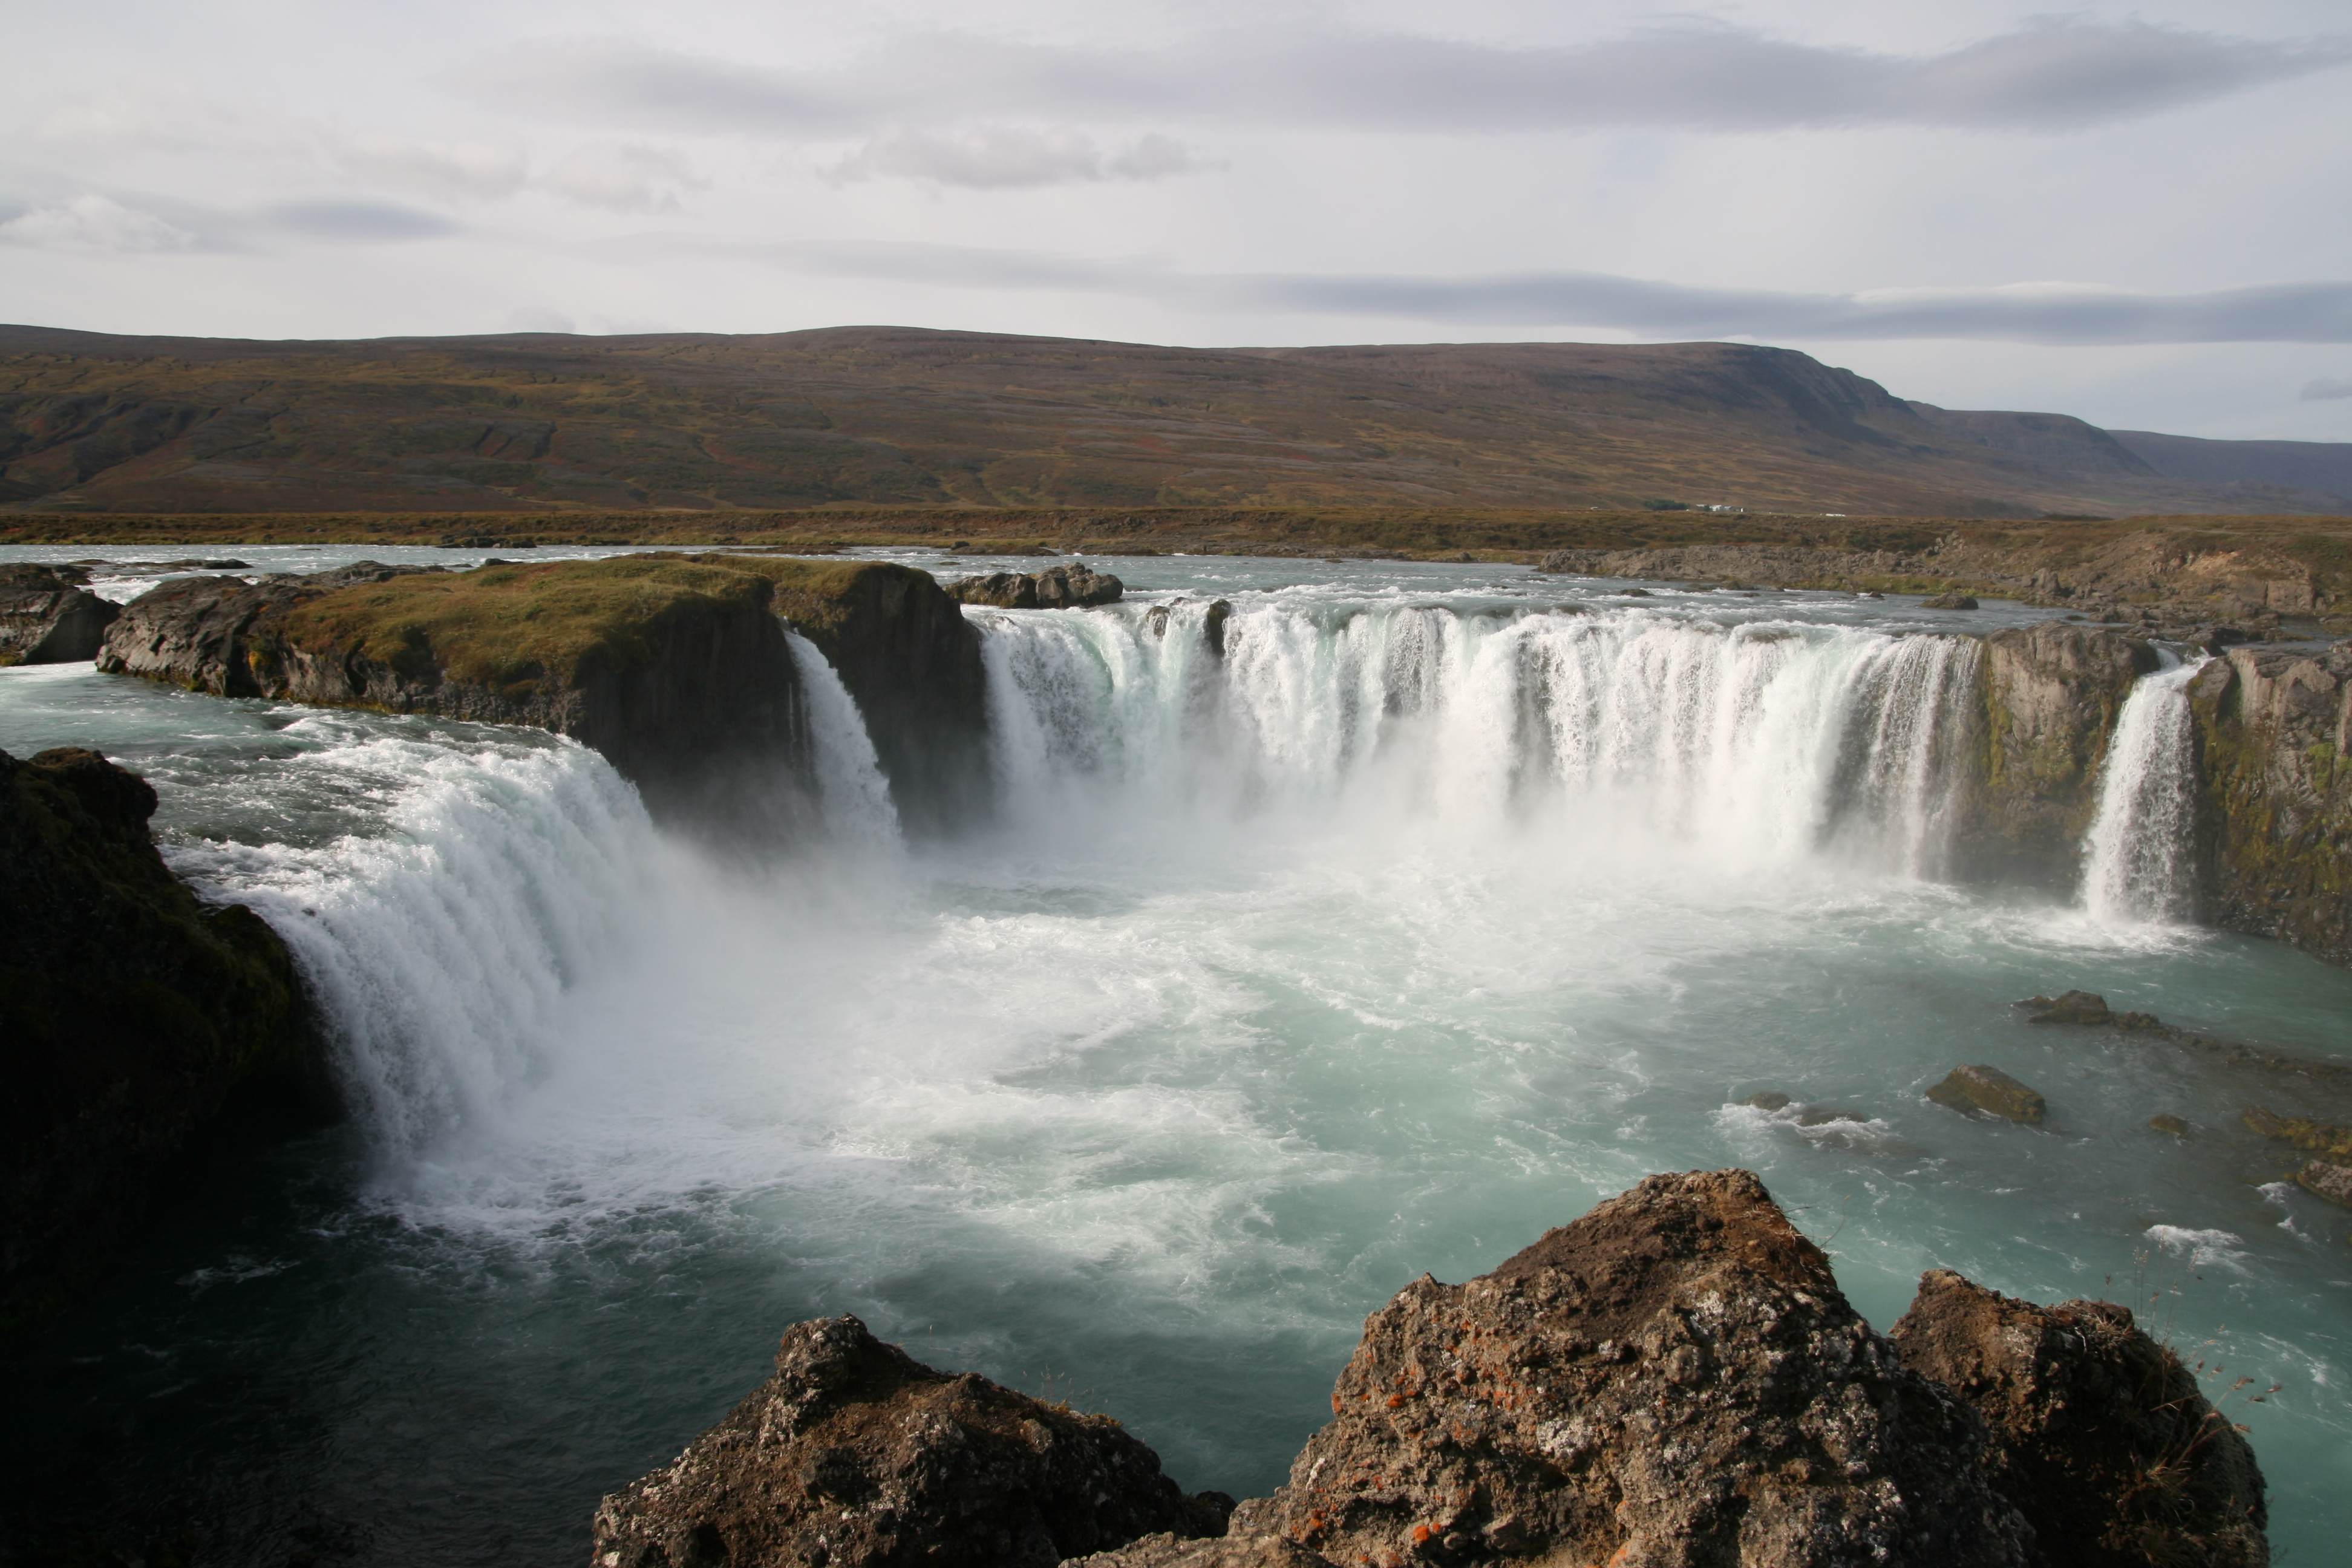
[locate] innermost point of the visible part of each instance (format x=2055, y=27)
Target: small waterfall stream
x=2136, y=858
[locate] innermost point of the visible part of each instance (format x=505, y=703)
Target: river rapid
x=1448, y=901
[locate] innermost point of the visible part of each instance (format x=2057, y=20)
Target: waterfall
x=852, y=795
x=1759, y=741
x=2136, y=859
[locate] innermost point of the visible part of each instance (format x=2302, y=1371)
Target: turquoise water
x=1438, y=909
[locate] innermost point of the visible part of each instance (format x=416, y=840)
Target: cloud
x=357, y=222
x=446, y=169
x=2054, y=313
x=999, y=157
x=2048, y=75
x=630, y=178
x=93, y=223
x=2324, y=388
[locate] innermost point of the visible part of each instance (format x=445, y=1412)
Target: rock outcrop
x=1073, y=587
x=855, y=1454
x=47, y=616
x=2274, y=738
x=1984, y=1089
x=133, y=1020
x=2051, y=696
x=2101, y=1436
x=677, y=668
x=1673, y=1381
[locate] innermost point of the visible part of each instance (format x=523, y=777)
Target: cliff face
x=2052, y=694
x=1673, y=1381
x=132, y=1016
x=2273, y=729
x=677, y=668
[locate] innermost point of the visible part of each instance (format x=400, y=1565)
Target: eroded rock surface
x=855, y=1454
x=1673, y=1379
x=2101, y=1437
x=47, y=616
x=1073, y=587
x=1986, y=1090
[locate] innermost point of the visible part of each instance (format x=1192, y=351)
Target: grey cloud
x=94, y=223
x=2049, y=76
x=2056, y=314
x=2324, y=388
x=995, y=157
x=360, y=222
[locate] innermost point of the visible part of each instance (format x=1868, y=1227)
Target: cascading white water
x=1760, y=740
x=2137, y=861
x=852, y=793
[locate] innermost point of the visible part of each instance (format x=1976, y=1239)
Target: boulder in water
x=1674, y=1378
x=1981, y=1088
x=2101, y=1437
x=1075, y=587
x=1949, y=602
x=47, y=617
x=2328, y=1180
x=2074, y=1007
x=1769, y=1099
x=2165, y=1121
x=854, y=1454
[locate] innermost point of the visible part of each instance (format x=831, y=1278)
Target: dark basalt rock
x=1223, y=1551
x=2074, y=1007
x=1949, y=602
x=47, y=617
x=2101, y=1437
x=1988, y=1089
x=1674, y=1379
x=854, y=1454
x=1075, y=587
x=219, y=635
x=135, y=1020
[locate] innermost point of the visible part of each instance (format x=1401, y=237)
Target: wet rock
x=1771, y=1100
x=2327, y=1180
x=1824, y=1115
x=854, y=1453
x=1949, y=602
x=1971, y=1089
x=1673, y=1379
x=1213, y=627
x=2074, y=1007
x=2101, y=1437
x=47, y=617
x=2165, y=1121
x=2315, y=1137
x=1633, y=593
x=1075, y=587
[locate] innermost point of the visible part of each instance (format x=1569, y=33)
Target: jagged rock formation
x=2102, y=1438
x=1075, y=587
x=854, y=1454
x=132, y=1018
x=1674, y=1381
x=47, y=617
x=676, y=667
x=2052, y=695
x=2275, y=762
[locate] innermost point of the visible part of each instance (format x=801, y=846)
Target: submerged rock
x=47, y=617
x=2317, y=1137
x=2165, y=1121
x=1674, y=1378
x=854, y=1453
x=1949, y=602
x=2100, y=1435
x=2074, y=1007
x=1986, y=1088
x=1769, y=1099
x=1075, y=587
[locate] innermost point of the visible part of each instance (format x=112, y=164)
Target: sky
x=2141, y=215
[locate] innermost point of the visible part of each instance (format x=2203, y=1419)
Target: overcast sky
x=2140, y=215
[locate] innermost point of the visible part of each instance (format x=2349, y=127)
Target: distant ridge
x=903, y=417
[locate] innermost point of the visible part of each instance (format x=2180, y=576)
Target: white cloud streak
x=1001, y=157
x=93, y=224
x=2049, y=75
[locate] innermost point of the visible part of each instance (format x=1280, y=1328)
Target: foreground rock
x=679, y=669
x=47, y=616
x=2101, y=1436
x=855, y=1453
x=1674, y=1381
x=1075, y=587
x=133, y=1020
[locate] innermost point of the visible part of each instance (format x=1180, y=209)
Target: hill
x=902, y=417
